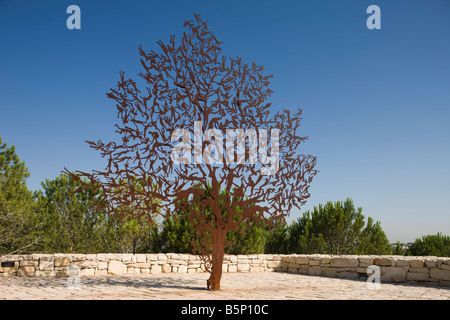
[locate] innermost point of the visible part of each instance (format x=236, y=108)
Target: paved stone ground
x=255, y=286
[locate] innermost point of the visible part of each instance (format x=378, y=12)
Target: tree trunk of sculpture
x=217, y=260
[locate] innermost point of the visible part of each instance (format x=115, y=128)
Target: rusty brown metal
x=190, y=87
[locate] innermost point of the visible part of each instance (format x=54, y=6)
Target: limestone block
x=46, y=264
x=101, y=257
x=78, y=257
x=256, y=269
x=116, y=267
x=431, y=263
x=61, y=271
x=315, y=271
x=393, y=274
x=301, y=260
x=7, y=274
x=166, y=268
x=102, y=272
x=353, y=262
x=27, y=263
x=26, y=271
x=339, y=262
x=248, y=261
x=184, y=257
x=173, y=256
x=102, y=265
x=439, y=262
x=87, y=264
x=155, y=269
x=438, y=274
x=126, y=257
x=91, y=257
x=133, y=270
x=419, y=270
x=325, y=260
x=416, y=276
x=292, y=270
x=303, y=270
x=139, y=265
x=329, y=272
x=417, y=263
x=366, y=260
x=162, y=257
x=177, y=262
x=242, y=267
x=87, y=272
x=362, y=270
x=232, y=268
x=45, y=257
x=182, y=269
x=140, y=258
x=277, y=258
x=273, y=264
x=314, y=262
x=43, y=274
x=382, y=261
x=112, y=256
x=61, y=261
x=402, y=262
x=15, y=258
x=445, y=267
x=151, y=257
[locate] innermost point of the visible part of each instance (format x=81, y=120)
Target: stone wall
x=426, y=270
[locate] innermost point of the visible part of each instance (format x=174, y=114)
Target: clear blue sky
x=376, y=103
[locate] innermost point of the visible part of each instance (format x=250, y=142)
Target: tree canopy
x=337, y=228
x=190, y=86
x=18, y=221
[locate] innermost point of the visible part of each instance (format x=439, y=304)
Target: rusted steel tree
x=230, y=172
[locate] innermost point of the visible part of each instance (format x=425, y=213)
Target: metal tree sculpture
x=191, y=87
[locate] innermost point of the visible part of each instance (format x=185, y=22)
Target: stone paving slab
x=235, y=286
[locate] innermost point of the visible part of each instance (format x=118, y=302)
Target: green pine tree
x=431, y=245
x=18, y=220
x=70, y=220
x=277, y=239
x=337, y=228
